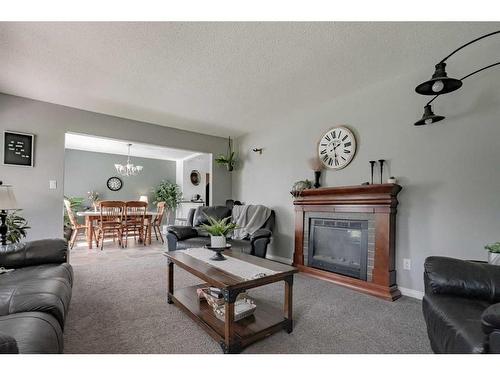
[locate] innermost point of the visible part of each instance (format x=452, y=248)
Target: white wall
x=450, y=203
x=43, y=207
x=202, y=164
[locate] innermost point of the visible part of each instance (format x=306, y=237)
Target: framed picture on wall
x=18, y=149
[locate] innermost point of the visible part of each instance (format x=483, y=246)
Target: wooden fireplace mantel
x=380, y=200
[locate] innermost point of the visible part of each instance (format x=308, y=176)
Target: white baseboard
x=279, y=259
x=411, y=293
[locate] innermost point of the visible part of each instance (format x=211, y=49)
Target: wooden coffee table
x=232, y=336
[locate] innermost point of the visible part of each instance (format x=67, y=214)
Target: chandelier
x=128, y=169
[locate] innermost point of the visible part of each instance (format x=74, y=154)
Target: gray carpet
x=119, y=306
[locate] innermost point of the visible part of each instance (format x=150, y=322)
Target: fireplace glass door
x=339, y=246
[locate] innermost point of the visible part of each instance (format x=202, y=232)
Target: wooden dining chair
x=77, y=228
x=111, y=215
x=135, y=219
x=160, y=211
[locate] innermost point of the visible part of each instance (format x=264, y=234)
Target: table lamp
x=7, y=202
x=144, y=198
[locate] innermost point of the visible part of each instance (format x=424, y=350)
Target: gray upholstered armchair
x=183, y=237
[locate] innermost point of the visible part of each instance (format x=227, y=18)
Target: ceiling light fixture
x=440, y=83
x=128, y=169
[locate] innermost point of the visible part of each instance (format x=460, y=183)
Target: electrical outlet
x=52, y=184
x=407, y=263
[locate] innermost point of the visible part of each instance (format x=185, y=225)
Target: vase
x=218, y=241
x=494, y=258
x=317, y=176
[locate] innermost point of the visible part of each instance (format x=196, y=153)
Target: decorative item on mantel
x=392, y=180
x=493, y=253
x=316, y=166
x=300, y=186
x=372, y=167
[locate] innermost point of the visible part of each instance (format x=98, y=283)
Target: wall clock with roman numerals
x=337, y=147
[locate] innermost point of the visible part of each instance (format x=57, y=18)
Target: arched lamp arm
x=466, y=44
x=479, y=70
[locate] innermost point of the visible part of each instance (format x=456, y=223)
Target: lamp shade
x=7, y=198
x=144, y=198
x=428, y=117
x=440, y=83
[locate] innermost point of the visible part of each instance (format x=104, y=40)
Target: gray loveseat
x=183, y=237
x=34, y=297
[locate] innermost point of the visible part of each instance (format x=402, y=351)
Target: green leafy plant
x=493, y=248
x=229, y=160
x=16, y=226
x=219, y=227
x=76, y=204
x=169, y=193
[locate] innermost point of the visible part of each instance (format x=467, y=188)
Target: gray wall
x=450, y=203
x=85, y=171
x=44, y=207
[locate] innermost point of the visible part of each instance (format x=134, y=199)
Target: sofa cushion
x=39, y=288
x=34, y=332
x=454, y=323
x=62, y=271
x=217, y=212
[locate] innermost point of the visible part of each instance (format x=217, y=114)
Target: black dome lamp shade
x=429, y=117
x=440, y=83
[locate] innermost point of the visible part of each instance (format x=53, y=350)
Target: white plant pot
x=218, y=241
x=494, y=258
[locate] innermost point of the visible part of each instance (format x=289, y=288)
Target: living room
x=334, y=187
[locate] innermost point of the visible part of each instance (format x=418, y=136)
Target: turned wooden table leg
x=90, y=232
x=170, y=281
x=288, y=306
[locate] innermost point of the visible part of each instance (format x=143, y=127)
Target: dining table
x=92, y=216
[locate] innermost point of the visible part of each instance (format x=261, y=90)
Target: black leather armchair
x=183, y=237
x=34, y=297
x=461, y=305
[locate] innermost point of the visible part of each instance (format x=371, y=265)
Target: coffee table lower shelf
x=265, y=321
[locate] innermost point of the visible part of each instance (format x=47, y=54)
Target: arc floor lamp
x=440, y=83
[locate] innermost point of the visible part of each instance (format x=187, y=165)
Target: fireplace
x=347, y=235
x=339, y=246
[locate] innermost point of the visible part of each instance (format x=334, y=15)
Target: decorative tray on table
x=243, y=307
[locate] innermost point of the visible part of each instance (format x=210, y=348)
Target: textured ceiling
x=219, y=78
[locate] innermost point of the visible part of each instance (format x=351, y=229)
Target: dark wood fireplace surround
x=381, y=200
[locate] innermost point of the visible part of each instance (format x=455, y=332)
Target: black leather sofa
x=34, y=297
x=183, y=237
x=461, y=305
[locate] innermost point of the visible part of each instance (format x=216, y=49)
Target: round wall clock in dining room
x=114, y=183
x=337, y=147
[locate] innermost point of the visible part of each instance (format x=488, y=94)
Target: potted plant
x=493, y=253
x=16, y=227
x=93, y=197
x=218, y=230
x=229, y=160
x=169, y=193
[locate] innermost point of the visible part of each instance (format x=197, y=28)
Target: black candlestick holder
x=372, y=166
x=381, y=162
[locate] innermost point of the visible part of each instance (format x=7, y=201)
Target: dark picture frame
x=18, y=149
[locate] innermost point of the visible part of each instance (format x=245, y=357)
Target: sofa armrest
x=260, y=233
x=490, y=320
x=34, y=253
x=443, y=275
x=183, y=233
x=8, y=345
